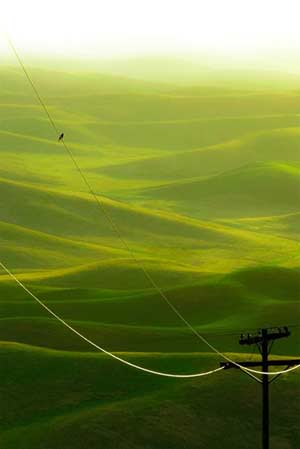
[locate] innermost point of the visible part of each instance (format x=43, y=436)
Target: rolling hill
x=82, y=406
x=200, y=180
x=251, y=191
x=280, y=145
x=68, y=223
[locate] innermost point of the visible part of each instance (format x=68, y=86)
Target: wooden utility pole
x=264, y=340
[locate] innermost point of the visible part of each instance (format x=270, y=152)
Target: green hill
x=283, y=225
x=84, y=399
x=251, y=191
x=197, y=180
x=137, y=317
x=280, y=145
x=23, y=247
x=71, y=219
x=69, y=83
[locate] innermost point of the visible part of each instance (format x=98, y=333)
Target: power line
x=115, y=227
x=103, y=209
x=90, y=342
x=30, y=81
x=61, y=320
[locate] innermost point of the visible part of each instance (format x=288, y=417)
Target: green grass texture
x=201, y=177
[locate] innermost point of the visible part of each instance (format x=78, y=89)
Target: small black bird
x=61, y=136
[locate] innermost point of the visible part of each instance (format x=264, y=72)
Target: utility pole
x=264, y=340
x=265, y=387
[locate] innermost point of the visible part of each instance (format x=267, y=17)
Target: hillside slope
x=83, y=399
x=251, y=191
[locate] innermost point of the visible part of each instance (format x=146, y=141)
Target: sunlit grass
x=203, y=184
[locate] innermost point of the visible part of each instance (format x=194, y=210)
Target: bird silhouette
x=61, y=136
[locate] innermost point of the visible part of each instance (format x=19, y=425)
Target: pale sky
x=97, y=28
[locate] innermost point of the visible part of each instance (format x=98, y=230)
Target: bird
x=61, y=137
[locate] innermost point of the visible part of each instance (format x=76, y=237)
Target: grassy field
x=202, y=181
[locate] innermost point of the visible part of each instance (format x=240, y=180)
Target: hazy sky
x=97, y=28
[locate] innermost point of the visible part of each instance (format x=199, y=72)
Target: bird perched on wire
x=61, y=137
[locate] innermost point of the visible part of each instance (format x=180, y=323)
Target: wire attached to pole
x=120, y=359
